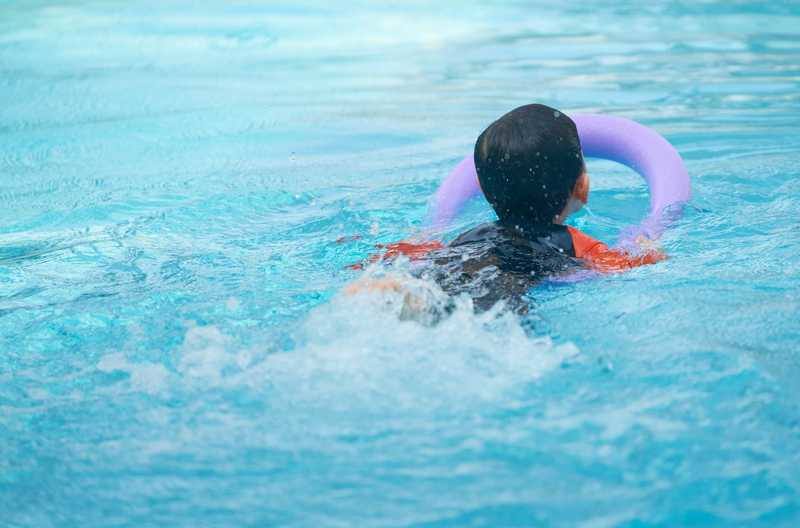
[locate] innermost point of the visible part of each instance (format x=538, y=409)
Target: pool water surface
x=183, y=187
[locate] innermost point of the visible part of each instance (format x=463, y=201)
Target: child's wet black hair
x=528, y=162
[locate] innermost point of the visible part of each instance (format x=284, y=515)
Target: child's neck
x=527, y=229
x=573, y=204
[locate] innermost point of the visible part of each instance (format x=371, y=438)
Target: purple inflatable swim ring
x=613, y=138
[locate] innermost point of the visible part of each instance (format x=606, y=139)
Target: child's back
x=492, y=262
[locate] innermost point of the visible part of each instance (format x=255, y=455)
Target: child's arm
x=604, y=259
x=415, y=304
x=411, y=250
x=382, y=285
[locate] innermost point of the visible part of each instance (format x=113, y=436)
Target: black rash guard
x=492, y=262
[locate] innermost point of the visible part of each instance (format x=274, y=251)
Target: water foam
x=364, y=352
x=359, y=350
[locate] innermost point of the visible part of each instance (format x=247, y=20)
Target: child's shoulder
x=496, y=232
x=583, y=244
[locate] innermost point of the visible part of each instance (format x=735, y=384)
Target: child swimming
x=531, y=170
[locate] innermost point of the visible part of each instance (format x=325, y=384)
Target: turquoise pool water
x=174, y=179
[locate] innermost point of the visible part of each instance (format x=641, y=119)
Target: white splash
x=357, y=351
x=151, y=378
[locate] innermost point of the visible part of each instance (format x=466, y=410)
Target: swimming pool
x=182, y=188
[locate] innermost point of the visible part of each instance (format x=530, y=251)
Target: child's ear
x=581, y=189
